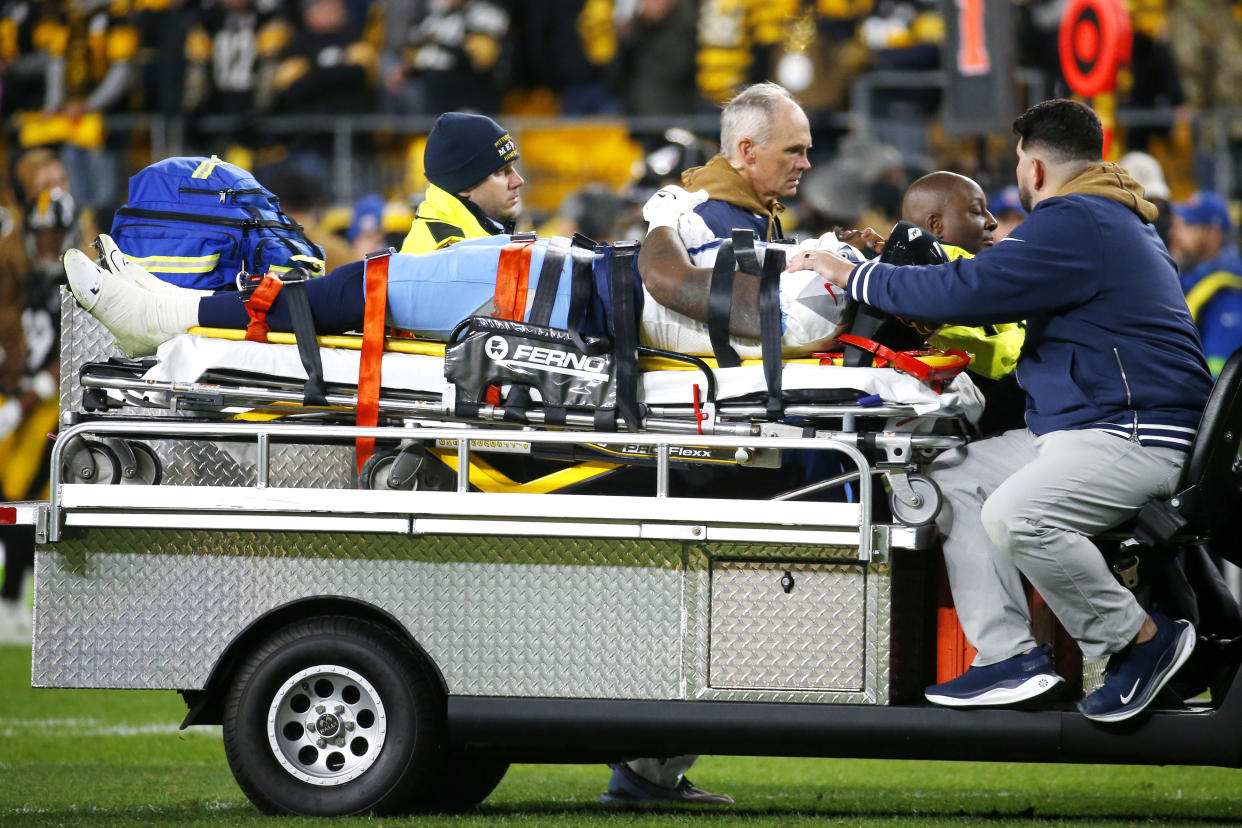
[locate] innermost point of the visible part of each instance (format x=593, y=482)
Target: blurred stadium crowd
x=607, y=98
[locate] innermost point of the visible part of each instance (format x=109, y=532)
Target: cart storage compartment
x=799, y=625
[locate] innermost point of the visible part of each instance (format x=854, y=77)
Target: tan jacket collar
x=724, y=183
x=1112, y=181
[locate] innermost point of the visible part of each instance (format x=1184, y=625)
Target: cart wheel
x=929, y=502
x=148, y=470
x=467, y=782
x=90, y=462
x=334, y=716
x=406, y=470
x=376, y=473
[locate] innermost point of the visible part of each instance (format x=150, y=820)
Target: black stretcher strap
x=549, y=281
x=866, y=325
x=744, y=251
x=605, y=419
x=517, y=401
x=581, y=289
x=770, y=327
x=720, y=305
x=294, y=291
x=622, y=283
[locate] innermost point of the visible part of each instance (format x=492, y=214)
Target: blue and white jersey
x=813, y=313
x=430, y=293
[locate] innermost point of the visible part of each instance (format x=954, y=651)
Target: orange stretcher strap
x=509, y=302
x=259, y=303
x=909, y=363
x=512, y=276
x=369, y=359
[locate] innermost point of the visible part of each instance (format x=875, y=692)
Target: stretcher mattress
x=187, y=357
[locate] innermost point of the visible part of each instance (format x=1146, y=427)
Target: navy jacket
x=1109, y=341
x=723, y=218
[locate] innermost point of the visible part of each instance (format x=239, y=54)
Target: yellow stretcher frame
x=487, y=478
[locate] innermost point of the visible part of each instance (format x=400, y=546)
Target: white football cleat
x=140, y=320
x=114, y=261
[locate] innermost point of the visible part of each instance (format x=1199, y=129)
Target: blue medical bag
x=198, y=222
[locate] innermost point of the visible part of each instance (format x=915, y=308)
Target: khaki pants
x=1021, y=504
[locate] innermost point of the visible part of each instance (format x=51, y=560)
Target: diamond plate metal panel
x=234, y=463
x=825, y=639
x=78, y=542
x=196, y=462
x=83, y=339
x=312, y=467
x=810, y=637
x=539, y=625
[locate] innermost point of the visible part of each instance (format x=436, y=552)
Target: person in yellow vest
x=1210, y=269
x=475, y=191
x=474, y=187
x=954, y=209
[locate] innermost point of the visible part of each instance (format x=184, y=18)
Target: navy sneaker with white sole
x=1018, y=679
x=1137, y=674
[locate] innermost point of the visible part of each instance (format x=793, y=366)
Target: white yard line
x=213, y=805
x=97, y=727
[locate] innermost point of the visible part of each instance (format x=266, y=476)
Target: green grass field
x=116, y=758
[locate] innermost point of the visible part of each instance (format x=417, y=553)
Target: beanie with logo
x=464, y=149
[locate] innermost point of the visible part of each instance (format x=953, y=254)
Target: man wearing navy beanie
x=474, y=190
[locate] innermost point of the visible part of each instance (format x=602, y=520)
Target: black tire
x=357, y=726
x=466, y=782
x=149, y=471
x=928, y=508
x=429, y=473
x=91, y=463
x=375, y=472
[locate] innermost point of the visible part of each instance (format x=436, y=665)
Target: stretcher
x=894, y=416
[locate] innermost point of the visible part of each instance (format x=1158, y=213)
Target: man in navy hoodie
x=1115, y=380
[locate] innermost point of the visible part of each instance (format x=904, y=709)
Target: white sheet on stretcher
x=186, y=358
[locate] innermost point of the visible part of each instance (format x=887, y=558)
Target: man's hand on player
x=835, y=269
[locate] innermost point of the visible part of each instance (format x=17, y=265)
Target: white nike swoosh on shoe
x=1126, y=698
